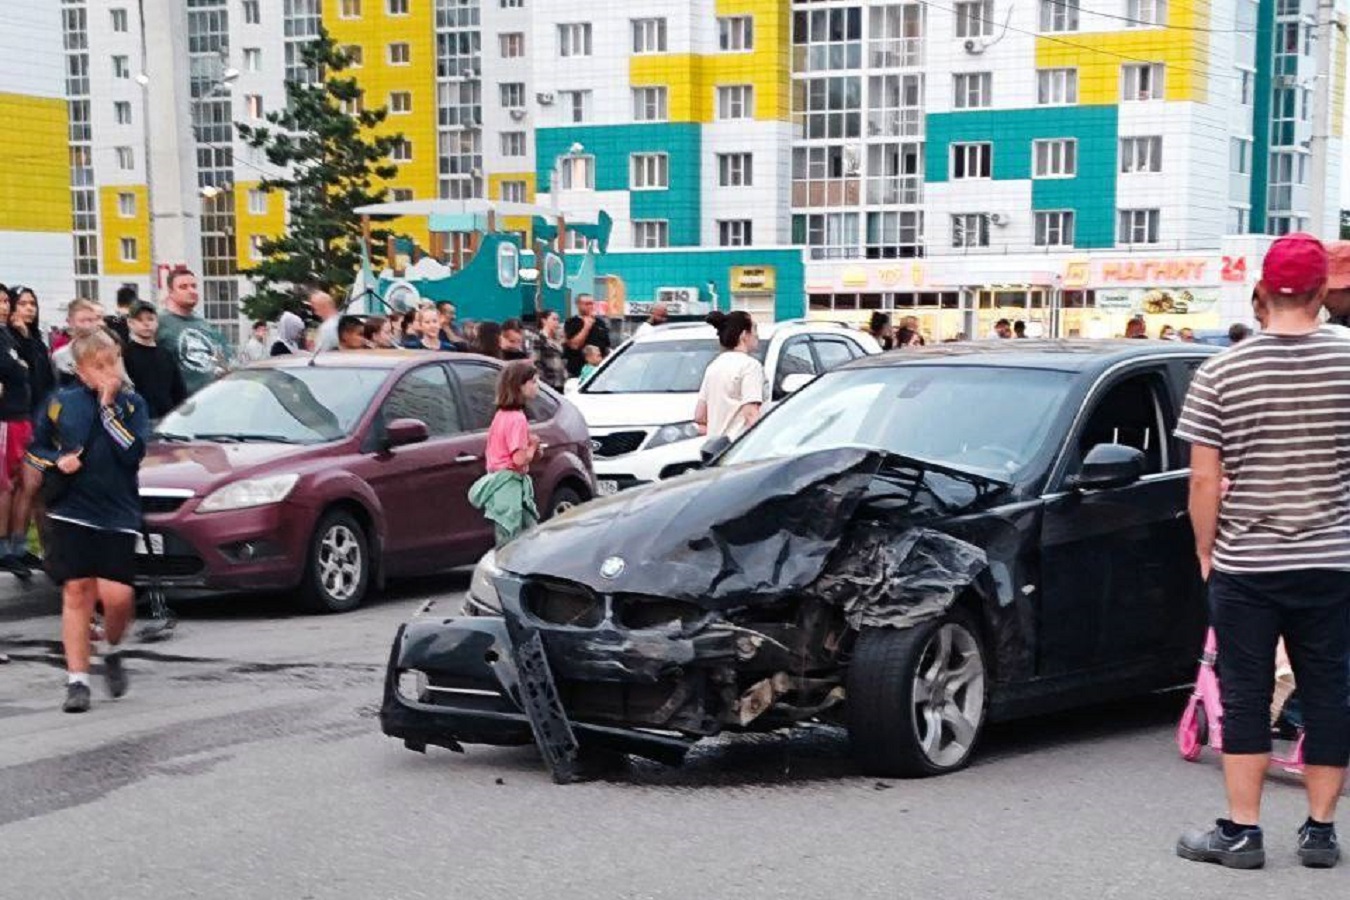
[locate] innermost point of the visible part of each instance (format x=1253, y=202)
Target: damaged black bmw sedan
x=913, y=546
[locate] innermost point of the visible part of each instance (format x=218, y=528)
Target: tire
x=564, y=498
x=337, y=573
x=891, y=730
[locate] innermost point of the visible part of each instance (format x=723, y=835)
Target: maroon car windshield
x=309, y=405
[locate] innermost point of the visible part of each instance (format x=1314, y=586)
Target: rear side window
x=424, y=394
x=834, y=352
x=478, y=393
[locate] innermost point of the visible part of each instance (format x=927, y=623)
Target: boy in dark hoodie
x=95, y=433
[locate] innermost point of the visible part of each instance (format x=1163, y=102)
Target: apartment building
x=1067, y=162
x=35, y=197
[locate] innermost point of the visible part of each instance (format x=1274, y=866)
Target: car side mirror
x=402, y=432
x=793, y=383
x=713, y=449
x=571, y=386
x=1110, y=466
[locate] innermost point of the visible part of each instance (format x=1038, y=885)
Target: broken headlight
x=483, y=599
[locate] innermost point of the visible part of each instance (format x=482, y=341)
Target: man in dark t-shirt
x=581, y=331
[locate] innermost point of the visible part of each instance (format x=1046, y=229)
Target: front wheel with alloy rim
x=917, y=698
x=338, y=572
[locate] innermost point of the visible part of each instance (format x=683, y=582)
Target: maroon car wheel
x=339, y=564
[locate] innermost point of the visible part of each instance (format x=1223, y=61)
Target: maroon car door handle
x=466, y=458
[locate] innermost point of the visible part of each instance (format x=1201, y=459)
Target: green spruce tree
x=333, y=161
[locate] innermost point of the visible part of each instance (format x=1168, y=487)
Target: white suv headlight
x=671, y=434
x=249, y=492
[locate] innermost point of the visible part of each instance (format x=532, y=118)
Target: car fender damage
x=737, y=609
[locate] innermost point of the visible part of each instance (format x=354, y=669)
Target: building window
x=252, y=12
x=257, y=202
x=649, y=35
x=735, y=233
x=512, y=95
x=574, y=39
x=1145, y=13
x=400, y=102
x=735, y=101
x=512, y=4
x=1240, y=156
x=1054, y=229
x=1247, y=79
x=975, y=19
x=974, y=90
x=972, y=161
x=1141, y=82
x=349, y=9
x=1059, y=15
x=513, y=191
x=126, y=205
x=396, y=7
x=576, y=105
x=119, y=20
x=252, y=59
x=400, y=54
x=735, y=169
x=828, y=235
x=402, y=151
x=356, y=56
x=578, y=173
x=513, y=143
x=1239, y=220
x=894, y=235
x=1140, y=154
x=651, y=233
x=129, y=251
x=255, y=242
x=650, y=104
x=970, y=230
x=1056, y=158
x=512, y=44
x=122, y=112
x=126, y=159
x=736, y=33
x=121, y=67
x=1138, y=226
x=356, y=105
x=1056, y=87
x=650, y=171
x=253, y=105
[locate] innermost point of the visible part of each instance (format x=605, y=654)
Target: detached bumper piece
x=460, y=681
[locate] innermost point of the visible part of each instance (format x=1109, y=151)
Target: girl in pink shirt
x=506, y=494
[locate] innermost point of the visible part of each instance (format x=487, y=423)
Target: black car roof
x=1082, y=356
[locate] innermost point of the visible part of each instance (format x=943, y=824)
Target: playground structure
x=474, y=262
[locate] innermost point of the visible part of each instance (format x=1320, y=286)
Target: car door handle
x=465, y=458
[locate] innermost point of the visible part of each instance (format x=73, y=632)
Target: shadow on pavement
x=207, y=607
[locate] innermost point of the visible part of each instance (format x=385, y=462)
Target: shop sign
x=748, y=279
x=1178, y=301
x=641, y=309
x=855, y=276
x=1151, y=271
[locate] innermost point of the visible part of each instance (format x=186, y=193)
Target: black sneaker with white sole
x=1318, y=847
x=114, y=674
x=78, y=698
x=1244, y=850
x=15, y=566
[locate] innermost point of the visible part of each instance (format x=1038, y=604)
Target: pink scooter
x=1201, y=724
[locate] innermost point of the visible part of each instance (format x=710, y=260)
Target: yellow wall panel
x=35, y=176
x=114, y=226
x=270, y=223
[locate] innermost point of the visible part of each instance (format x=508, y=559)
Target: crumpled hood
x=715, y=537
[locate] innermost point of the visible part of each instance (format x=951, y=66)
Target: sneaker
x=114, y=674
x=31, y=560
x=1246, y=850
x=15, y=566
x=1318, y=847
x=77, y=698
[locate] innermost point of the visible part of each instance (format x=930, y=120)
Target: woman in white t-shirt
x=732, y=394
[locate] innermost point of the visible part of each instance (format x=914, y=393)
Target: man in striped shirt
x=1273, y=416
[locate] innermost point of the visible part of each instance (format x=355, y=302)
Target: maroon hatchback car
x=329, y=475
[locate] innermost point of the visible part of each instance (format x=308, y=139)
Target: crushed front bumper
x=468, y=680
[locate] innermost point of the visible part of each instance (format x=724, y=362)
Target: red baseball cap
x=1295, y=264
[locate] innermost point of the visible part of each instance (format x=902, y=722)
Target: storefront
x=1079, y=295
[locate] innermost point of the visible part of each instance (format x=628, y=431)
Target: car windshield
x=987, y=421
x=309, y=405
x=659, y=367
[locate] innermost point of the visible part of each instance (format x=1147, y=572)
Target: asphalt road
x=247, y=762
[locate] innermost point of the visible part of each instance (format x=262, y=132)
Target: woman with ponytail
x=732, y=394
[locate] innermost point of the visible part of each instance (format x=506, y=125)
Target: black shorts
x=73, y=552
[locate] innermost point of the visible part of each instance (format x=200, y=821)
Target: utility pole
x=1324, y=221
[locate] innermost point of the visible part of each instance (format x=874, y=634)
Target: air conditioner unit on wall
x=518, y=114
x=545, y=98
x=681, y=295
x=999, y=219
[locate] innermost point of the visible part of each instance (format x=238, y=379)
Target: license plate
x=156, y=547
x=607, y=487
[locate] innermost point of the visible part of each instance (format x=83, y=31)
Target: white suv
x=639, y=406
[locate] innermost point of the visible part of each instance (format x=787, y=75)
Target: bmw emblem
x=613, y=567
x=595, y=446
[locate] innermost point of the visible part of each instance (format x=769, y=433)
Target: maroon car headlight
x=249, y=492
